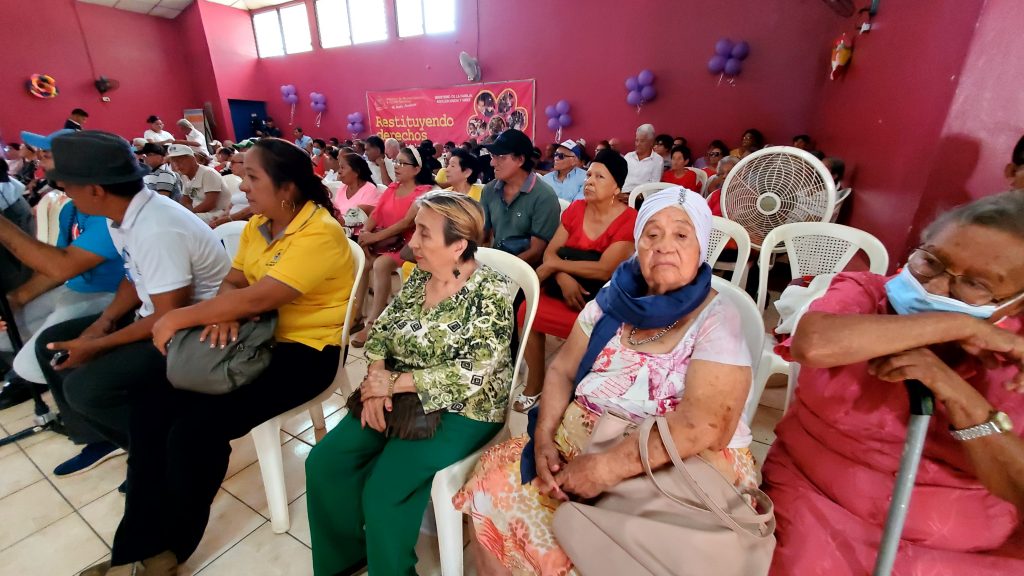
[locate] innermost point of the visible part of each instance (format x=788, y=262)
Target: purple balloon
x=645, y=78
x=292, y=98
x=565, y=120
x=351, y=118
x=319, y=106
x=634, y=98
x=717, y=64
x=733, y=67
x=562, y=107
x=351, y=127
x=358, y=127
x=723, y=47
x=284, y=90
x=648, y=93
x=632, y=84
x=312, y=95
x=550, y=111
x=359, y=117
x=553, y=124
x=741, y=50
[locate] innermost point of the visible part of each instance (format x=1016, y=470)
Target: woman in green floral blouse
x=447, y=338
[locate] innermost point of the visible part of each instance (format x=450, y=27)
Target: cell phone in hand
x=59, y=358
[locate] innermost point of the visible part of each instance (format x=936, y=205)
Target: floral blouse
x=459, y=351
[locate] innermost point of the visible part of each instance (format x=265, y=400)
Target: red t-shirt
x=688, y=180
x=620, y=230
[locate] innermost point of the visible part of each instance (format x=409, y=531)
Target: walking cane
x=922, y=404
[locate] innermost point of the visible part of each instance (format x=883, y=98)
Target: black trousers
x=180, y=448
x=93, y=398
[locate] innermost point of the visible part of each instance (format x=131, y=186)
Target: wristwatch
x=391, y=383
x=997, y=423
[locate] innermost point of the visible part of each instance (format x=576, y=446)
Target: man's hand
x=919, y=364
x=991, y=344
x=80, y=351
x=98, y=329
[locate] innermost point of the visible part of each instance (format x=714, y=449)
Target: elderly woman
x=715, y=152
x=595, y=236
x=952, y=321
x=357, y=196
x=388, y=230
x=444, y=343
x=293, y=258
x=752, y=141
x=656, y=341
x=463, y=171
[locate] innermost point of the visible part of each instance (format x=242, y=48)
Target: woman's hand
x=373, y=414
x=919, y=364
x=367, y=238
x=588, y=475
x=376, y=383
x=572, y=292
x=549, y=462
x=991, y=344
x=219, y=334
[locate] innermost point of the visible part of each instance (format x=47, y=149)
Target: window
x=418, y=17
x=345, y=22
x=282, y=31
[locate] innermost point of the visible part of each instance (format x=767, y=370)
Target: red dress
x=688, y=180
x=553, y=316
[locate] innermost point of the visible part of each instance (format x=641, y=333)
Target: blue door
x=241, y=116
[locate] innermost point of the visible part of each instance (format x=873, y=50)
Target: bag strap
x=766, y=520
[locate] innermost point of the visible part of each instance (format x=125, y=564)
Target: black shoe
x=16, y=391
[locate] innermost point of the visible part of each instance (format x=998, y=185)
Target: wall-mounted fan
x=471, y=66
x=104, y=84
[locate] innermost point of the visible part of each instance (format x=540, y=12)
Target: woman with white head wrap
x=656, y=341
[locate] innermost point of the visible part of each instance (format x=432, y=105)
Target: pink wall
x=42, y=36
x=230, y=50
x=585, y=59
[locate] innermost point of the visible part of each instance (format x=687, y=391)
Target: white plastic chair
x=702, y=179
x=813, y=248
x=563, y=204
x=722, y=231
x=448, y=481
x=841, y=197
x=753, y=334
x=230, y=234
x=48, y=216
x=267, y=436
x=648, y=188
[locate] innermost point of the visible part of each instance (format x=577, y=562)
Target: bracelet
x=391, y=385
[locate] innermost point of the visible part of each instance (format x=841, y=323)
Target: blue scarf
x=624, y=301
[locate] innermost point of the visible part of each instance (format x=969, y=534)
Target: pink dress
x=831, y=470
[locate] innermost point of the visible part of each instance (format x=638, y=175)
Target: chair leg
x=316, y=413
x=267, y=437
x=449, y=532
x=794, y=375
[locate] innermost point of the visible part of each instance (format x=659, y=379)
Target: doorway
x=241, y=116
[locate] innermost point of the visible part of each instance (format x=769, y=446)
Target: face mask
x=908, y=296
x=316, y=151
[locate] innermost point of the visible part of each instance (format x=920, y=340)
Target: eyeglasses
x=404, y=163
x=967, y=289
x=561, y=156
x=714, y=154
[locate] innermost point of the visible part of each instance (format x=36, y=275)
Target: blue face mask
x=908, y=296
x=316, y=151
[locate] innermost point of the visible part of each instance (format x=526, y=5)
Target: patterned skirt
x=513, y=520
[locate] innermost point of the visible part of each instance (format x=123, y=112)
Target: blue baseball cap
x=42, y=142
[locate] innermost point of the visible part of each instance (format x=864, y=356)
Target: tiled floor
x=58, y=526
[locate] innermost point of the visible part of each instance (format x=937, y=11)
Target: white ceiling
x=171, y=8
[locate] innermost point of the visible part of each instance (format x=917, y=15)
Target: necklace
x=657, y=336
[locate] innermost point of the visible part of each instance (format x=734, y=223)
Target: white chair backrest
x=753, y=335
x=48, y=216
x=723, y=230
x=526, y=278
x=230, y=234
x=563, y=204
x=647, y=188
x=702, y=179
x=359, y=263
x=818, y=248
x=382, y=187
x=841, y=197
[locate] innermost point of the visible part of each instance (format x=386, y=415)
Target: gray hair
x=392, y=142
x=1000, y=212
x=186, y=124
x=645, y=130
x=728, y=160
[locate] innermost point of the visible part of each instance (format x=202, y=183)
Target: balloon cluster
x=558, y=115
x=641, y=89
x=729, y=57
x=289, y=96
x=355, y=123
x=318, y=102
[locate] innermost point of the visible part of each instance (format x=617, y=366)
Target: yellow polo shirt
x=312, y=256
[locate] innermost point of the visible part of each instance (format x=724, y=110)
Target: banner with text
x=457, y=113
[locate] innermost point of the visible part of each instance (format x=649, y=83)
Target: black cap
x=511, y=142
x=94, y=157
x=615, y=164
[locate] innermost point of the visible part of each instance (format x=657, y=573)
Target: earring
x=456, y=272
x=288, y=205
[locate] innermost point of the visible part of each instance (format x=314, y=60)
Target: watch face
x=1003, y=422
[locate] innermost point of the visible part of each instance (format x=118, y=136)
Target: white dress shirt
x=642, y=171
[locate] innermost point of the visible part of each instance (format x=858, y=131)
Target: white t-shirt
x=206, y=180
x=375, y=170
x=161, y=136
x=232, y=185
x=165, y=247
x=197, y=136
x=642, y=171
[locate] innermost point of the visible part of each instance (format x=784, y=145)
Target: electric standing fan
x=775, y=186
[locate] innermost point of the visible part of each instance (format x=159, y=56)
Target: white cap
x=175, y=150
x=572, y=146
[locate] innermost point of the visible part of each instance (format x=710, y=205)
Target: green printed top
x=459, y=351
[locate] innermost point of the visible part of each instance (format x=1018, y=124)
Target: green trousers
x=366, y=494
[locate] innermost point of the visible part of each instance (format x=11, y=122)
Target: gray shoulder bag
x=194, y=366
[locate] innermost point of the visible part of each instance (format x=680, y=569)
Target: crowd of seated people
x=645, y=335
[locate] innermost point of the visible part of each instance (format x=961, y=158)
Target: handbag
x=684, y=519
x=196, y=367
x=407, y=420
x=589, y=285
x=387, y=245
